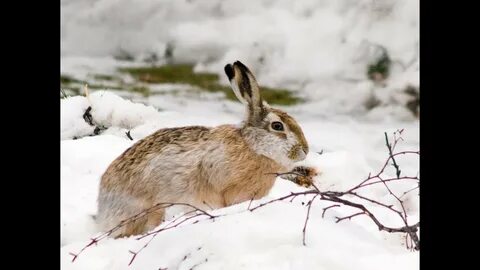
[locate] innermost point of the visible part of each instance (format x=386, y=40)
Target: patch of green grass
x=65, y=79
x=102, y=86
x=63, y=94
x=74, y=86
x=206, y=81
x=104, y=77
x=70, y=91
x=70, y=85
x=145, y=91
x=279, y=96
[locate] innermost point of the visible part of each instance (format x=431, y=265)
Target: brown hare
x=205, y=167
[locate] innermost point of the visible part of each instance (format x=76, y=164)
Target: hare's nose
x=301, y=154
x=305, y=150
x=229, y=71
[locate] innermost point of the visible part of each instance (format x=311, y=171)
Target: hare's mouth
x=297, y=153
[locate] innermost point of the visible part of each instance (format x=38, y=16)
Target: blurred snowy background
x=351, y=57
x=347, y=70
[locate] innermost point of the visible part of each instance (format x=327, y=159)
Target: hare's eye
x=277, y=126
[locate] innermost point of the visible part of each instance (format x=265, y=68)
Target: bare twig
x=286, y=174
x=292, y=194
x=202, y=262
x=128, y=135
x=85, y=90
x=306, y=218
x=337, y=197
x=377, y=176
x=198, y=212
x=326, y=208
x=63, y=94
x=250, y=203
x=88, y=117
x=408, y=191
x=349, y=217
x=397, y=168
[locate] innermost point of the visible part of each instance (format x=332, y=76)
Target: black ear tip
x=229, y=71
x=240, y=64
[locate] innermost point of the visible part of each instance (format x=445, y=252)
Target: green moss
x=65, y=79
x=102, y=86
x=70, y=91
x=206, y=81
x=145, y=91
x=74, y=86
x=279, y=96
x=104, y=77
x=63, y=94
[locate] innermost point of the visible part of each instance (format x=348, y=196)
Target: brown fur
x=216, y=183
x=293, y=126
x=204, y=167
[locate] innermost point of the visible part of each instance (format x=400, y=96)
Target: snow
x=319, y=49
x=258, y=240
x=268, y=238
x=72, y=122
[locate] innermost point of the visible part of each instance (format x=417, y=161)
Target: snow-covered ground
x=320, y=49
x=269, y=238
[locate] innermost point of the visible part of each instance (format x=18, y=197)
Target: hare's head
x=271, y=132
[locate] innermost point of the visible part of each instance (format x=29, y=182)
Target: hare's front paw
x=302, y=176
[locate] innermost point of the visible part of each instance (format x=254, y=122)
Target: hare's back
x=163, y=144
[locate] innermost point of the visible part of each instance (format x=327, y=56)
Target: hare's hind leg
x=154, y=219
x=142, y=225
x=126, y=215
x=136, y=224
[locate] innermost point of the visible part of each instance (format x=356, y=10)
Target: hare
x=204, y=167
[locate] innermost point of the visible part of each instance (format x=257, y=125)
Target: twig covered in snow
x=128, y=135
x=87, y=116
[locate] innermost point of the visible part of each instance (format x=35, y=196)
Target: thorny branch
x=306, y=218
x=195, y=213
x=398, y=171
x=328, y=207
x=337, y=197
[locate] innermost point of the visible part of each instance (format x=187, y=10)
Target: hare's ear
x=246, y=89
